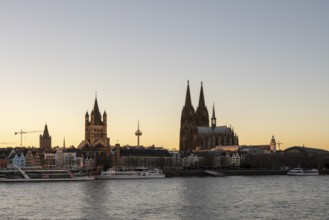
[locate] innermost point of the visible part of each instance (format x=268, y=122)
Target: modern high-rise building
x=195, y=132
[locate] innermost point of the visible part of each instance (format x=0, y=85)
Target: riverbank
x=202, y=173
x=231, y=172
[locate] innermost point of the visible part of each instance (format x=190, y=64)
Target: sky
x=263, y=64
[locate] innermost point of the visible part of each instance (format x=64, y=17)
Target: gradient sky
x=263, y=63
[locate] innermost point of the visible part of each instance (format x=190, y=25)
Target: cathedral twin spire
x=201, y=113
x=195, y=132
x=201, y=98
x=188, y=102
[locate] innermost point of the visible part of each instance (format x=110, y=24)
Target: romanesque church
x=95, y=129
x=195, y=132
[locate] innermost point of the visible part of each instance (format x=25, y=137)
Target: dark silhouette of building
x=195, y=132
x=188, y=124
x=45, y=140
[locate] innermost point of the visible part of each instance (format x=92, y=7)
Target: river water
x=232, y=197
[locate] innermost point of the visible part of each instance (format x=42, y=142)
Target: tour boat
x=138, y=173
x=302, y=172
x=16, y=174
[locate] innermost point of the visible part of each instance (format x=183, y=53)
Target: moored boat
x=302, y=172
x=16, y=174
x=138, y=173
x=214, y=173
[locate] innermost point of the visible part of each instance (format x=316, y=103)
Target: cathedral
x=195, y=132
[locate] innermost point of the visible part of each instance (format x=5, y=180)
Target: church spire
x=45, y=132
x=213, y=119
x=188, y=101
x=95, y=114
x=202, y=115
x=201, y=98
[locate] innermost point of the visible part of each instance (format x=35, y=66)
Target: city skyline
x=263, y=65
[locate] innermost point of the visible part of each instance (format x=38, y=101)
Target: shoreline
x=231, y=172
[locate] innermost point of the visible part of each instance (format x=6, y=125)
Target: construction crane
x=279, y=144
x=25, y=132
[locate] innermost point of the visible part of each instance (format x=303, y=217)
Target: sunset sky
x=264, y=64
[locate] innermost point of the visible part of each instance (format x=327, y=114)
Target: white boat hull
x=129, y=177
x=302, y=172
x=138, y=173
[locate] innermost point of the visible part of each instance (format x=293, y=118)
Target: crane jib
x=25, y=132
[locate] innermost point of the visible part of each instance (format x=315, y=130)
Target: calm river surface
x=240, y=197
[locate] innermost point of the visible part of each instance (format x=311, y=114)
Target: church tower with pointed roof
x=187, y=124
x=202, y=115
x=45, y=139
x=213, y=118
x=96, y=128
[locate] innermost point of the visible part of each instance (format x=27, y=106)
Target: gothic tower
x=188, y=122
x=96, y=128
x=213, y=118
x=45, y=139
x=202, y=116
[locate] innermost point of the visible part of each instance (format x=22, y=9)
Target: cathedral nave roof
x=217, y=130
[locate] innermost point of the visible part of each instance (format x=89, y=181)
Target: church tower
x=273, y=144
x=45, y=139
x=188, y=122
x=213, y=118
x=202, y=115
x=96, y=127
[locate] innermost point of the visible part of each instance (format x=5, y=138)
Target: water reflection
x=263, y=197
x=94, y=203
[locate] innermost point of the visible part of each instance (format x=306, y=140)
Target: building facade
x=195, y=132
x=32, y=158
x=17, y=158
x=96, y=127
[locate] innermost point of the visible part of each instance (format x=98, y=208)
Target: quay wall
x=185, y=173
x=201, y=173
x=254, y=172
x=232, y=172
